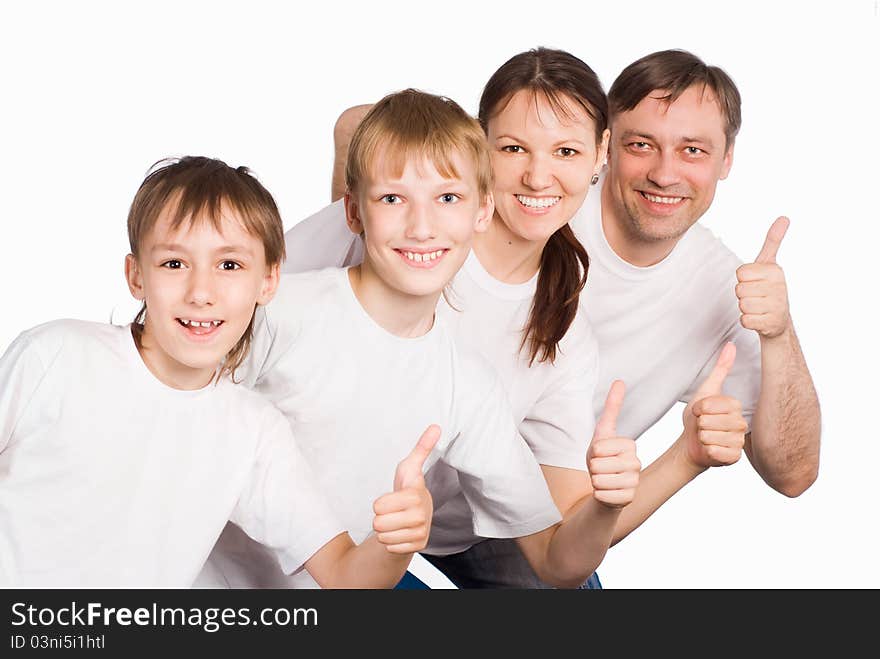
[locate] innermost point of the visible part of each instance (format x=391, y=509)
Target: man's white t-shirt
x=109, y=478
x=659, y=329
x=358, y=398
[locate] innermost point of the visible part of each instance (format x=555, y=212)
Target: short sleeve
x=499, y=477
x=559, y=426
x=21, y=371
x=280, y=506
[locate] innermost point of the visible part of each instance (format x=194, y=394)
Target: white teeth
x=202, y=323
x=537, y=202
x=420, y=257
x=662, y=200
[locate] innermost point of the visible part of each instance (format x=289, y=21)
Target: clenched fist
x=714, y=427
x=403, y=517
x=762, y=293
x=614, y=467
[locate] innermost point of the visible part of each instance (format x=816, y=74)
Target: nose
x=419, y=224
x=538, y=174
x=201, y=287
x=664, y=170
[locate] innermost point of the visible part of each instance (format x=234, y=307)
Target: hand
x=403, y=517
x=614, y=467
x=714, y=427
x=762, y=293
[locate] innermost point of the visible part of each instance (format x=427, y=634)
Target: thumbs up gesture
x=762, y=293
x=403, y=517
x=614, y=467
x=714, y=427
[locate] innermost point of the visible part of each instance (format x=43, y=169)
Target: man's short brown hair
x=672, y=72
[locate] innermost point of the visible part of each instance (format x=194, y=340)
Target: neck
x=170, y=372
x=401, y=314
x=623, y=240
x=507, y=257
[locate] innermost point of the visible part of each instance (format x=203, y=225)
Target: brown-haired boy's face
x=200, y=287
x=664, y=163
x=418, y=227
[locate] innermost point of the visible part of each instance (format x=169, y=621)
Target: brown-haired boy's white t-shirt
x=109, y=478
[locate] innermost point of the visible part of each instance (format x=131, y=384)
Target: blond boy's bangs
x=410, y=126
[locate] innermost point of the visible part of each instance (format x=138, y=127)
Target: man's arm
x=783, y=446
x=343, y=131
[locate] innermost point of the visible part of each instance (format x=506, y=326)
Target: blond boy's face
x=418, y=228
x=200, y=287
x=542, y=162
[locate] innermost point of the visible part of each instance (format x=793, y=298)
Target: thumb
x=607, y=424
x=773, y=240
x=409, y=470
x=711, y=386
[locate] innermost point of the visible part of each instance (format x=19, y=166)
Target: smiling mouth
x=659, y=199
x=200, y=327
x=537, y=203
x=422, y=259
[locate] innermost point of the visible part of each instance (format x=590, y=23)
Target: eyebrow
x=627, y=134
x=570, y=140
x=175, y=247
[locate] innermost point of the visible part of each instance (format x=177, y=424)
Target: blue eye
x=693, y=150
x=449, y=198
x=390, y=199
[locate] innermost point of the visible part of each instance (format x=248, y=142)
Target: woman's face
x=543, y=161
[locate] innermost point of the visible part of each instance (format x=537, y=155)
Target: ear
x=270, y=284
x=727, y=163
x=485, y=213
x=133, y=277
x=602, y=151
x=352, y=214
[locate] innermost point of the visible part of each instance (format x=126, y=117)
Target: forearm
x=657, y=483
x=576, y=547
x=783, y=445
x=367, y=565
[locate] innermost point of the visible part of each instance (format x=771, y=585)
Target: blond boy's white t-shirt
x=109, y=478
x=659, y=329
x=358, y=398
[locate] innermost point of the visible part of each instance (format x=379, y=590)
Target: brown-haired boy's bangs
x=196, y=190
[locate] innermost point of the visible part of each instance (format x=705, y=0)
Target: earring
x=594, y=180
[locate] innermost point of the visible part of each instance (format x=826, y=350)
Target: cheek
x=507, y=174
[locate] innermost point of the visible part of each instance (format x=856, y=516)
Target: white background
x=94, y=92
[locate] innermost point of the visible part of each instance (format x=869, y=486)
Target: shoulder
x=321, y=240
x=57, y=336
x=303, y=292
x=702, y=246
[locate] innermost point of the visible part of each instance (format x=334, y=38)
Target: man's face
x=664, y=163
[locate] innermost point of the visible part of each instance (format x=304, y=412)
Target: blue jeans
x=495, y=563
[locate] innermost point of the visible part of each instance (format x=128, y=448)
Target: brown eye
x=230, y=265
